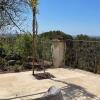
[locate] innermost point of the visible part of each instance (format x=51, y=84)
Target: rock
x=53, y=93
x=12, y=62
x=28, y=65
x=30, y=58
x=13, y=57
x=47, y=64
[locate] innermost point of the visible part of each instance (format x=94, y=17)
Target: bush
x=2, y=64
x=17, y=68
x=13, y=56
x=2, y=53
x=24, y=45
x=28, y=65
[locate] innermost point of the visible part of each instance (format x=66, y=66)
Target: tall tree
x=9, y=15
x=33, y=5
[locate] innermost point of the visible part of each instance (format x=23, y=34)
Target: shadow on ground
x=75, y=92
x=70, y=92
x=41, y=76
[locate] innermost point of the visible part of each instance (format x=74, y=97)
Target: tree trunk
x=34, y=34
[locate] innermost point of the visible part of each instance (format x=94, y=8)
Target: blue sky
x=70, y=16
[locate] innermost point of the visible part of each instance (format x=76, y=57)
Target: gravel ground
x=75, y=84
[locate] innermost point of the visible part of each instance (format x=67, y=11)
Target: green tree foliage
x=54, y=34
x=95, y=38
x=24, y=45
x=82, y=37
x=32, y=3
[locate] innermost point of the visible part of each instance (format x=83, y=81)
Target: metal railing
x=83, y=54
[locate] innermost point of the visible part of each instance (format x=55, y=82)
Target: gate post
x=58, y=53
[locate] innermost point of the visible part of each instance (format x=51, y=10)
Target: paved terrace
x=75, y=84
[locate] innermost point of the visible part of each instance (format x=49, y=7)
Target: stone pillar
x=58, y=53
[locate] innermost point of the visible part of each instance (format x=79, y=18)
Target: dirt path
x=75, y=84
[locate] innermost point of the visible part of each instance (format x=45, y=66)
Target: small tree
x=33, y=5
